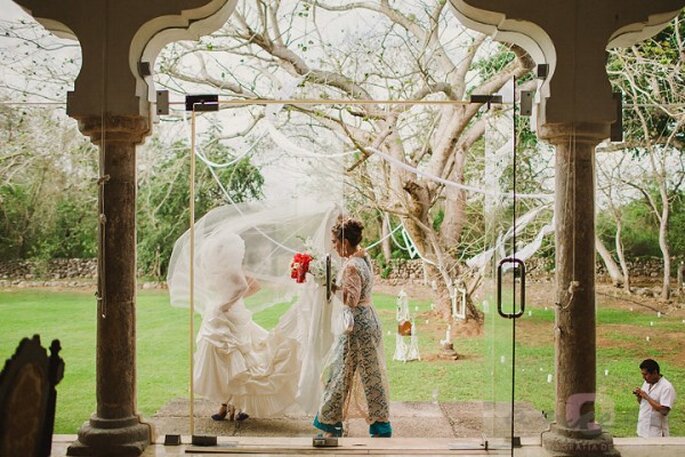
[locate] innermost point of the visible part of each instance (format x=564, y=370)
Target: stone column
x=575, y=432
x=115, y=429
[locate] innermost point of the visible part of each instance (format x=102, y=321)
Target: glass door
x=504, y=278
x=304, y=156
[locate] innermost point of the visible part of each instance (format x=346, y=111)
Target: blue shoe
x=334, y=429
x=380, y=430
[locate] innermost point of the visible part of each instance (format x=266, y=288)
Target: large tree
x=401, y=52
x=650, y=76
x=614, y=194
x=47, y=185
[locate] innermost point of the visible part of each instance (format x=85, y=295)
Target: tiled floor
x=437, y=447
x=445, y=429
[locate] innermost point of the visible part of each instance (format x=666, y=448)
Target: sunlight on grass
x=163, y=356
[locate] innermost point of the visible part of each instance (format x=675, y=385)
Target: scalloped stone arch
x=576, y=88
x=114, y=41
x=153, y=36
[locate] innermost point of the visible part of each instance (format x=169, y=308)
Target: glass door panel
x=306, y=154
x=502, y=282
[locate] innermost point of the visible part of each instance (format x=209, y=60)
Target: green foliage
x=163, y=200
x=372, y=232
x=14, y=241
x=66, y=229
x=48, y=199
x=640, y=233
x=438, y=218
x=605, y=227
x=384, y=267
x=74, y=231
x=493, y=63
x=48, y=195
x=676, y=234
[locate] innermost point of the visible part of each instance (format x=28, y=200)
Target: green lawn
x=482, y=372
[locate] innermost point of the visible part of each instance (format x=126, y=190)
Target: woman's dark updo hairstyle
x=349, y=229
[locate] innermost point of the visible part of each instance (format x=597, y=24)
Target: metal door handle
x=328, y=278
x=522, y=300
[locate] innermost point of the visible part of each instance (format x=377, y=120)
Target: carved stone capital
x=110, y=129
x=576, y=133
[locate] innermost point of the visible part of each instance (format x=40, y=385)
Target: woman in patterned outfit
x=358, y=354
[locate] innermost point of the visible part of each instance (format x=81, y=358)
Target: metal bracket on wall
x=162, y=102
x=202, y=102
x=526, y=103
x=617, y=126
x=144, y=69
x=487, y=99
x=543, y=70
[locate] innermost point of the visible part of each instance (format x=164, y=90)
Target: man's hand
x=639, y=393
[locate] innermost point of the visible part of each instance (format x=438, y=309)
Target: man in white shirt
x=656, y=398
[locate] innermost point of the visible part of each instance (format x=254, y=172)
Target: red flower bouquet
x=300, y=266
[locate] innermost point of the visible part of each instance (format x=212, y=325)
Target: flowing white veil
x=260, y=239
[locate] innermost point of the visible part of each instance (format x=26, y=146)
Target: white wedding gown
x=239, y=362
x=264, y=373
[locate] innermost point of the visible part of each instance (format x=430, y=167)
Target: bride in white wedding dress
x=245, y=251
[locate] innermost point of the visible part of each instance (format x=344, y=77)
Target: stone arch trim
x=571, y=37
x=157, y=33
x=115, y=36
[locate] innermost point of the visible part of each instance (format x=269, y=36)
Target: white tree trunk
x=663, y=245
x=621, y=256
x=386, y=248
x=611, y=266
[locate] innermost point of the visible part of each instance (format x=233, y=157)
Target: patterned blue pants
x=357, y=352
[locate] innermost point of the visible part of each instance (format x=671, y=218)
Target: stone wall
x=52, y=269
x=412, y=270
x=398, y=270
x=52, y=273
x=647, y=267
x=401, y=269
x=57, y=273
x=536, y=268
